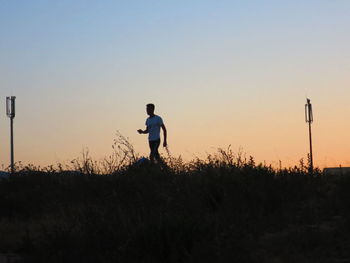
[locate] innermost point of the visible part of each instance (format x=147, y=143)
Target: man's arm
x=165, y=135
x=141, y=131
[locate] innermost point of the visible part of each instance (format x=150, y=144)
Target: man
x=153, y=125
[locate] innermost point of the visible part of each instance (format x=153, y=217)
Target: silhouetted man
x=153, y=125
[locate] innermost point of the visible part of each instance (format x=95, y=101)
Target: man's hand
x=140, y=131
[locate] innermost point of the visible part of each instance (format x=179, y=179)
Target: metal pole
x=311, y=158
x=12, y=149
x=309, y=119
x=11, y=112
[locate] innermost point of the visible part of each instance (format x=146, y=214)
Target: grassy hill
x=221, y=209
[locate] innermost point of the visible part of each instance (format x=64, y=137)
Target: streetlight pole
x=309, y=119
x=10, y=111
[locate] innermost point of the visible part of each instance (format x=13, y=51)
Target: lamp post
x=10, y=111
x=309, y=119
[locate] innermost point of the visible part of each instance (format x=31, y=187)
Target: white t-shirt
x=153, y=124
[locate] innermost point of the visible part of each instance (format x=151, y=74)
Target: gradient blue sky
x=219, y=72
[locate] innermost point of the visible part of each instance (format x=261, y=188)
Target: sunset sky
x=219, y=72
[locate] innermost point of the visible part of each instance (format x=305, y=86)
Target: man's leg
x=151, y=155
x=156, y=153
x=154, y=145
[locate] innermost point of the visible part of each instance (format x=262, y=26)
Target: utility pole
x=10, y=111
x=309, y=119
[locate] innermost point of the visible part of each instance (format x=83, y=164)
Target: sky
x=219, y=72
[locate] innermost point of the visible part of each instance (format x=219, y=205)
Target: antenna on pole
x=309, y=119
x=11, y=112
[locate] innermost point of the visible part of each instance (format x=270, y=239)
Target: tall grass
x=225, y=208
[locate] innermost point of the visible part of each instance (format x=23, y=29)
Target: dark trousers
x=154, y=145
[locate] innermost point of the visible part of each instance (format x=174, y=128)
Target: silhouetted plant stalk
x=122, y=156
x=176, y=164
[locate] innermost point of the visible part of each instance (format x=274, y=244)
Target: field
x=225, y=208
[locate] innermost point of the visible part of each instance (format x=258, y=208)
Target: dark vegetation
x=222, y=209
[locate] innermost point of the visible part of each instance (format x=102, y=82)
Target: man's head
x=150, y=109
